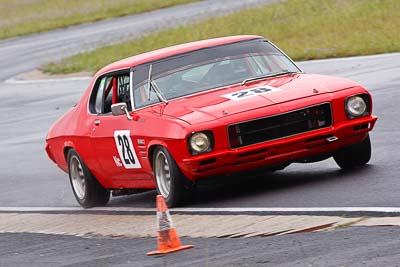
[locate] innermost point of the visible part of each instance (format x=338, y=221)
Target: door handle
x=97, y=122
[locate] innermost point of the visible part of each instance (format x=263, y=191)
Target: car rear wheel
x=170, y=181
x=87, y=190
x=355, y=155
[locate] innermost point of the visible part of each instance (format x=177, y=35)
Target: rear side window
x=110, y=89
x=99, y=96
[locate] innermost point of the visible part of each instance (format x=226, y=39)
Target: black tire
x=180, y=188
x=279, y=167
x=355, y=155
x=91, y=193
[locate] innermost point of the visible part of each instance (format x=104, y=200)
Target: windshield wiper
x=267, y=76
x=152, y=85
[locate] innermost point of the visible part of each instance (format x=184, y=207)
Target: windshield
x=208, y=68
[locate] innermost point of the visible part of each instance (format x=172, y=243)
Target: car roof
x=171, y=51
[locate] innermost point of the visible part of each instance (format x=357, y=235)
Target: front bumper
x=290, y=149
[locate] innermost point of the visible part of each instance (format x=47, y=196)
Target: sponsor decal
x=117, y=161
x=243, y=94
x=126, y=149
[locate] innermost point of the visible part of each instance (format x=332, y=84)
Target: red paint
x=169, y=125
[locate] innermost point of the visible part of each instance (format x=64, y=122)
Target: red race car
x=167, y=118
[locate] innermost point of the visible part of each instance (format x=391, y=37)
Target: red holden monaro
x=167, y=118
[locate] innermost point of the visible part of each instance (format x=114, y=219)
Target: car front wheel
x=355, y=155
x=87, y=190
x=170, y=181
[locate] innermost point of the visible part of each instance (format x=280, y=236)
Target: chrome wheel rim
x=77, y=177
x=163, y=174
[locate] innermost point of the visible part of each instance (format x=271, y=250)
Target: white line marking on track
x=205, y=210
x=72, y=209
x=350, y=58
x=16, y=81
x=306, y=209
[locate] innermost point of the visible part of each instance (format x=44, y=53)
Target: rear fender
x=68, y=145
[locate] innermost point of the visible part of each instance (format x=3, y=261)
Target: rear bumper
x=279, y=151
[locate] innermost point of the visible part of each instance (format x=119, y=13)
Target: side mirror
x=119, y=109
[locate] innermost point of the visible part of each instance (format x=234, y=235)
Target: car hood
x=222, y=102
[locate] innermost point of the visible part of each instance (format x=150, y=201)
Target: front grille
x=280, y=126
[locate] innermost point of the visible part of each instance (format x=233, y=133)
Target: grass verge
x=29, y=16
x=304, y=29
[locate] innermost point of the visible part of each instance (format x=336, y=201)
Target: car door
x=112, y=136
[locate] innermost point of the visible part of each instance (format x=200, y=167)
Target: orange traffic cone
x=168, y=239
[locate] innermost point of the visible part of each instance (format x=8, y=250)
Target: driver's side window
x=110, y=89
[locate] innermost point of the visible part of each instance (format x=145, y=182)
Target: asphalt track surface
x=28, y=109
x=344, y=247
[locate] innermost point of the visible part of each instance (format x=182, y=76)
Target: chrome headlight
x=200, y=142
x=357, y=106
